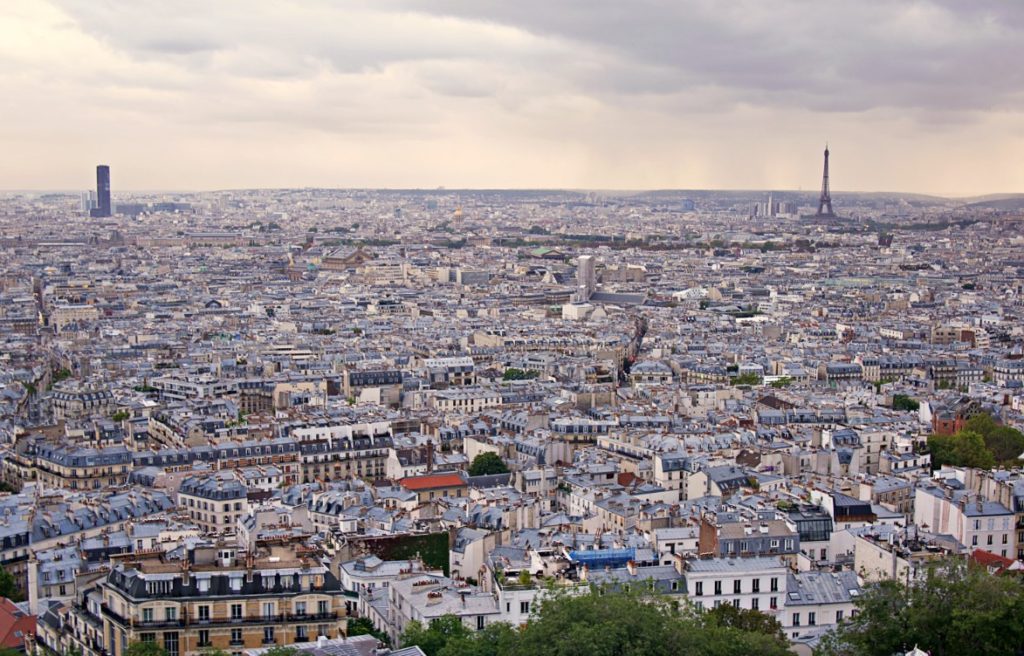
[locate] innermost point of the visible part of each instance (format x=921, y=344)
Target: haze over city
x=519, y=328
x=913, y=96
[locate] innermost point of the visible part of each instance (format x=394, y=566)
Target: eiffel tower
x=825, y=202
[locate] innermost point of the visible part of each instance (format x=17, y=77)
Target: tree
x=727, y=615
x=954, y=608
x=613, y=624
x=498, y=639
x=487, y=463
x=964, y=449
x=148, y=648
x=363, y=626
x=512, y=373
x=432, y=639
x=1005, y=443
x=749, y=378
x=9, y=587
x=904, y=402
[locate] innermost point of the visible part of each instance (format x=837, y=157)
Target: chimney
x=631, y=567
x=321, y=641
x=430, y=456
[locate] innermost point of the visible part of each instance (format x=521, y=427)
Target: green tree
x=1005, y=443
x=432, y=639
x=904, y=402
x=149, y=648
x=964, y=449
x=9, y=587
x=727, y=615
x=955, y=608
x=749, y=378
x=281, y=650
x=512, y=373
x=120, y=415
x=498, y=639
x=487, y=463
x=363, y=626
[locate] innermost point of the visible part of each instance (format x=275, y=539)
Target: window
x=147, y=614
x=147, y=637
x=699, y=605
x=171, y=643
x=300, y=633
x=839, y=616
x=236, y=611
x=321, y=607
x=479, y=622
x=755, y=603
x=796, y=619
x=1004, y=538
x=204, y=613
x=171, y=614
x=774, y=584
x=773, y=603
x=268, y=635
x=300, y=608
x=735, y=603
x=524, y=607
x=974, y=540
x=755, y=586
x=236, y=636
x=990, y=540
x=204, y=637
x=699, y=589
x=737, y=586
x=718, y=587
x=268, y=609
x=812, y=619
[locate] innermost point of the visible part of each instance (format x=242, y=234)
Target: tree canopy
x=487, y=463
x=605, y=625
x=982, y=443
x=955, y=608
x=964, y=449
x=512, y=373
x=9, y=587
x=904, y=402
x=145, y=648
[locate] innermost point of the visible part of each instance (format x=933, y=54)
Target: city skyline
x=914, y=97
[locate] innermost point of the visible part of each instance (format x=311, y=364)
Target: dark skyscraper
x=102, y=191
x=825, y=202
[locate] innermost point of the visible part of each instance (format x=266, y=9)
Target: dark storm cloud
x=836, y=56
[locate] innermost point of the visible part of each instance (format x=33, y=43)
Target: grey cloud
x=835, y=56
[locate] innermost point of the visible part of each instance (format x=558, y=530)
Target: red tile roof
x=14, y=625
x=432, y=482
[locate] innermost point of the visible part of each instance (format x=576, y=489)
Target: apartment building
x=217, y=597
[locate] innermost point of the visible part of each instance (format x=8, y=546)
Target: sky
x=917, y=96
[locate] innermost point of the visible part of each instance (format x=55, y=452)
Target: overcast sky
x=208, y=94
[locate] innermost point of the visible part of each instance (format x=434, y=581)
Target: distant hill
x=1005, y=202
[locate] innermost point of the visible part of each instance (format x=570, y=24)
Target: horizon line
x=958, y=196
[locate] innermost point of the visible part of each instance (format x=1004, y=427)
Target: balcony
x=220, y=621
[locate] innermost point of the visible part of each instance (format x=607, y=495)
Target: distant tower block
x=586, y=277
x=825, y=202
x=102, y=192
